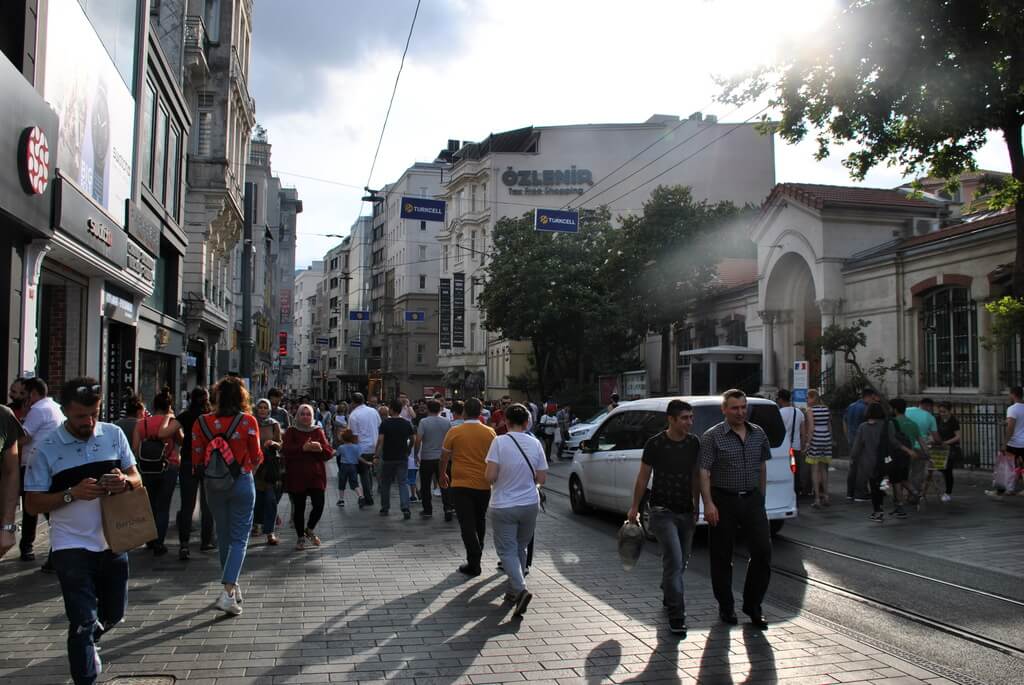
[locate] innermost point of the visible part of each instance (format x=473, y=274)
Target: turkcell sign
x=556, y=220
x=415, y=316
x=359, y=315
x=422, y=209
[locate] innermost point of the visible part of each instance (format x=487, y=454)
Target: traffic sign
x=415, y=316
x=359, y=315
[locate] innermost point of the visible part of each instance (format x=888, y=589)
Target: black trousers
x=28, y=522
x=316, y=498
x=365, y=472
x=429, y=470
x=192, y=489
x=471, y=508
x=735, y=512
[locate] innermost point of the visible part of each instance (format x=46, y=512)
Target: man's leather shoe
x=471, y=571
x=728, y=616
x=758, y=621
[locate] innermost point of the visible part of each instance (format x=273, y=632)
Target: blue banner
x=355, y=343
x=415, y=316
x=322, y=341
x=359, y=315
x=556, y=221
x=312, y=360
x=422, y=209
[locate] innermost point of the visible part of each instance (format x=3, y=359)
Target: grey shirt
x=431, y=431
x=735, y=464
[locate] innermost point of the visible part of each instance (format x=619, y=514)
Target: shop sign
x=416, y=316
x=144, y=230
x=422, y=209
x=556, y=221
x=80, y=218
x=118, y=308
x=163, y=337
x=34, y=160
x=458, y=310
x=190, y=361
x=569, y=181
x=139, y=262
x=634, y=385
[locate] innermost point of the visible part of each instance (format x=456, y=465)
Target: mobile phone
x=108, y=478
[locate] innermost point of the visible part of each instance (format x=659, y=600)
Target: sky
x=323, y=70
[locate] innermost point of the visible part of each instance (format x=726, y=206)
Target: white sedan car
x=606, y=466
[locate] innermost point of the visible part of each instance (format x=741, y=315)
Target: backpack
x=152, y=452
x=222, y=469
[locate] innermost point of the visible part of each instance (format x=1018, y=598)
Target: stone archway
x=791, y=315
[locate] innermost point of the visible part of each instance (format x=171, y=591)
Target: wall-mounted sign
x=458, y=310
x=556, y=220
x=143, y=229
x=422, y=209
x=323, y=341
x=444, y=309
x=190, y=361
x=359, y=315
x=416, y=316
x=569, y=181
x=139, y=262
x=355, y=343
x=81, y=218
x=34, y=160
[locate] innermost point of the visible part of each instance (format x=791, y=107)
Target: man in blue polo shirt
x=75, y=465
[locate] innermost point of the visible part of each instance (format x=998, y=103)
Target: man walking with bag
x=76, y=465
x=673, y=456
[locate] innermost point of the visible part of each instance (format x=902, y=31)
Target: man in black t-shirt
x=10, y=476
x=393, y=447
x=673, y=457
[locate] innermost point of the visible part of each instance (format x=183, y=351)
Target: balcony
x=197, y=61
x=240, y=82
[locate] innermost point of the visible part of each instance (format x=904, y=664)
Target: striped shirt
x=735, y=465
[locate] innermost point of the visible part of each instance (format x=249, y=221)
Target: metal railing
x=195, y=33
x=982, y=429
x=238, y=75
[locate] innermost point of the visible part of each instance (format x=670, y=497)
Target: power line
x=394, y=90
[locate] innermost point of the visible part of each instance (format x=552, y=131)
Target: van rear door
x=780, y=497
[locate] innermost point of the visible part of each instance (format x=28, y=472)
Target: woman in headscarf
x=306, y=451
x=269, y=476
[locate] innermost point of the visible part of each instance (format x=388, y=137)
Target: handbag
x=540, y=492
x=127, y=520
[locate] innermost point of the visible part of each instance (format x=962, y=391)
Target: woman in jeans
x=870, y=449
x=516, y=465
x=269, y=475
x=159, y=485
x=231, y=502
x=305, y=449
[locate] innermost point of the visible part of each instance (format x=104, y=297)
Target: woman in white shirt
x=516, y=466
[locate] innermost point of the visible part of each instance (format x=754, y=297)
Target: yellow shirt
x=469, y=444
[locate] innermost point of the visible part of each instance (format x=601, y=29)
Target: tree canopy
x=916, y=84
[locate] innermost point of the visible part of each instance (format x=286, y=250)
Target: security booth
x=712, y=370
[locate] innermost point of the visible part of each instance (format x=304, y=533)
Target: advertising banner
x=422, y=209
x=355, y=343
x=458, y=310
x=556, y=221
x=444, y=308
x=95, y=107
x=359, y=315
x=799, y=384
x=416, y=316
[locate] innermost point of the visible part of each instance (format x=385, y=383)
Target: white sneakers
x=229, y=604
x=946, y=498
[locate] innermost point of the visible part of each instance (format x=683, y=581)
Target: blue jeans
x=512, y=529
x=675, y=536
x=347, y=474
x=232, y=516
x=95, y=589
x=394, y=472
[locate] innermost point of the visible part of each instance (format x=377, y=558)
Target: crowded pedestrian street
x=380, y=601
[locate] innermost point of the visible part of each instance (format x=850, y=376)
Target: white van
x=605, y=468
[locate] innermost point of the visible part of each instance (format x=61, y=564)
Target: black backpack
x=152, y=453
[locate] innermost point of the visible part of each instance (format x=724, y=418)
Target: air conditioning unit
x=925, y=226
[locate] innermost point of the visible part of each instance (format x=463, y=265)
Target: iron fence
x=982, y=430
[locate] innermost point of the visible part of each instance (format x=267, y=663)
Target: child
x=347, y=456
x=414, y=466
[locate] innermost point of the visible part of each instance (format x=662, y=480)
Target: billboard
x=95, y=107
x=422, y=209
x=556, y=221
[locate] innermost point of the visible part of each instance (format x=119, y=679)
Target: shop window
x=949, y=320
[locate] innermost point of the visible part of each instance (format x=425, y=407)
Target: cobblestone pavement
x=381, y=601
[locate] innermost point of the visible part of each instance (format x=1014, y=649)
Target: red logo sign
x=34, y=161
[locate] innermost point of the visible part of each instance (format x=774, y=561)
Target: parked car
x=605, y=467
x=580, y=431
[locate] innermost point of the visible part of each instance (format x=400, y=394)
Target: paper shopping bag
x=128, y=520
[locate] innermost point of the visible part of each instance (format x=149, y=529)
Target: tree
x=663, y=262
x=916, y=84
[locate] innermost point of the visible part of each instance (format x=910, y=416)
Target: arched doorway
x=790, y=305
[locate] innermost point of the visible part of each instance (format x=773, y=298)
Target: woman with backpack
x=158, y=459
x=269, y=476
x=226, y=451
x=306, y=451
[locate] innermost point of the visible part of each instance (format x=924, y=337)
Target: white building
x=555, y=166
x=303, y=376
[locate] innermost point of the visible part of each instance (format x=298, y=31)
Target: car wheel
x=645, y=518
x=577, y=500
x=776, y=526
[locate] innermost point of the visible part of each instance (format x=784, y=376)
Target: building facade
x=302, y=375
x=584, y=166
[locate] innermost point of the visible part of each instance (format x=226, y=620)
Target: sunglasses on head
x=87, y=390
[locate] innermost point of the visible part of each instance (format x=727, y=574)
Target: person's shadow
x=602, y=662
x=760, y=655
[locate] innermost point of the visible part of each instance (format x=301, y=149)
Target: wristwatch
x=68, y=497
x=9, y=528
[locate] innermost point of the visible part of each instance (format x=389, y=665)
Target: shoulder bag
x=540, y=491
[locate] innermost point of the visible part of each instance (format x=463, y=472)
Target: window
x=420, y=352
x=334, y=263
x=472, y=199
x=423, y=282
x=332, y=363
x=204, y=125
x=333, y=303
x=333, y=342
x=483, y=246
x=423, y=252
x=472, y=337
x=950, y=322
x=423, y=225
x=334, y=283
x=472, y=243
x=736, y=332
x=173, y=199
x=160, y=154
x=483, y=195
x=148, y=120
x=333, y=322
x=444, y=258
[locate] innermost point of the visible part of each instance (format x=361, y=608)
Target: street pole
x=246, y=341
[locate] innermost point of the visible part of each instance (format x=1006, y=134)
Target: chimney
x=696, y=116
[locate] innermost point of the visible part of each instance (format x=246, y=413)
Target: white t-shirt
x=43, y=417
x=789, y=415
x=364, y=421
x=1016, y=412
x=446, y=413
x=515, y=486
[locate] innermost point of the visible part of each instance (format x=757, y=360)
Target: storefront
x=28, y=140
